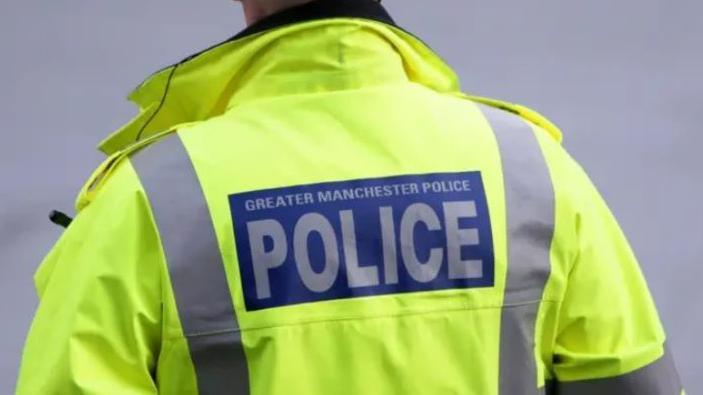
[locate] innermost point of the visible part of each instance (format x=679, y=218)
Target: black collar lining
x=312, y=11
x=321, y=9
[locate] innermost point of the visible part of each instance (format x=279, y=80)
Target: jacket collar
x=200, y=86
x=321, y=9
x=308, y=12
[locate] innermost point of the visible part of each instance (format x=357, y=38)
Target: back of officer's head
x=255, y=10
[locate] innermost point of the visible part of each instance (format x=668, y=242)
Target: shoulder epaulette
x=528, y=114
x=103, y=172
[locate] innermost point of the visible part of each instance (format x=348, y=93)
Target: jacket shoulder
x=102, y=174
x=531, y=116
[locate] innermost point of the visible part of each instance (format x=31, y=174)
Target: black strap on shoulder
x=60, y=219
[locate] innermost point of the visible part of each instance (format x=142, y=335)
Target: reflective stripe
x=657, y=378
x=195, y=266
x=529, y=204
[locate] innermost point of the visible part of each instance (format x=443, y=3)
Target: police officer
x=313, y=207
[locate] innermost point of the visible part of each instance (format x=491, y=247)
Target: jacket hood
x=202, y=85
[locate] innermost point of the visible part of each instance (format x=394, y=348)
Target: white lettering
x=263, y=260
x=416, y=219
x=458, y=237
x=308, y=223
x=421, y=271
x=446, y=186
x=390, y=253
x=357, y=276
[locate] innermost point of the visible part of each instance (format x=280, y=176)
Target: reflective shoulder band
x=195, y=266
x=529, y=204
x=657, y=378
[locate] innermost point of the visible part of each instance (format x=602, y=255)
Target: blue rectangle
x=361, y=238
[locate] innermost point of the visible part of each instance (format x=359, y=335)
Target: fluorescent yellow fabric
x=326, y=101
x=346, y=346
x=99, y=322
x=601, y=320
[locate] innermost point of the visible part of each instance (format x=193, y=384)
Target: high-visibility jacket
x=314, y=207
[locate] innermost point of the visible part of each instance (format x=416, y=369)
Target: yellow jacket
x=314, y=207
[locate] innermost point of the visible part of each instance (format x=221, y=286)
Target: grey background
x=624, y=79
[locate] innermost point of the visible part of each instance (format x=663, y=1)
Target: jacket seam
x=342, y=319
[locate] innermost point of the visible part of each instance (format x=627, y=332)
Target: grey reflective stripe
x=657, y=378
x=529, y=204
x=195, y=266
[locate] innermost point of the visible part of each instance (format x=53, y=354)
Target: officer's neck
x=256, y=10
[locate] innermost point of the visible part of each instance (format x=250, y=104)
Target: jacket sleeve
x=97, y=329
x=609, y=337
